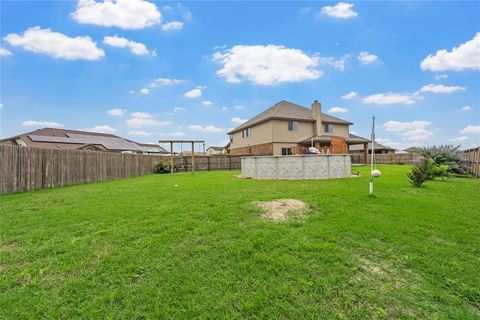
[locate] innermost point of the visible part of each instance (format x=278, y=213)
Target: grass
x=146, y=248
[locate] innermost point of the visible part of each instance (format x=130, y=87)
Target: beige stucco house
x=215, y=151
x=288, y=129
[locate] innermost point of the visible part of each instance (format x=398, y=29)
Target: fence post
x=208, y=163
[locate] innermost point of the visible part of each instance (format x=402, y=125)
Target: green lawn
x=145, y=248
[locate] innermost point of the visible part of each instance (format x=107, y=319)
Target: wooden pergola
x=192, y=142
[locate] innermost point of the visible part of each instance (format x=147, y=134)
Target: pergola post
x=193, y=157
x=365, y=153
x=172, y=142
x=171, y=156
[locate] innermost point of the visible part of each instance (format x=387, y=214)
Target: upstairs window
x=246, y=133
x=292, y=125
x=328, y=128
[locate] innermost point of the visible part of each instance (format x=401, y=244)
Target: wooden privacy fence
x=393, y=158
x=472, y=157
x=208, y=163
x=23, y=168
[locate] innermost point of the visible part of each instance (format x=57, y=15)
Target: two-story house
x=288, y=129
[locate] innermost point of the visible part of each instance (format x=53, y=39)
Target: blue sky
x=93, y=65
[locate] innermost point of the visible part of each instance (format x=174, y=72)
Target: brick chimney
x=317, y=115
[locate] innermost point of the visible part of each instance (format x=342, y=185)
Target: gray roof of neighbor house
x=378, y=146
x=413, y=149
x=54, y=138
x=152, y=148
x=287, y=111
x=216, y=148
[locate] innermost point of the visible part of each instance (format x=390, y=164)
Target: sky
x=149, y=70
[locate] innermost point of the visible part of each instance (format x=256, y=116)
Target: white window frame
x=294, y=125
x=246, y=133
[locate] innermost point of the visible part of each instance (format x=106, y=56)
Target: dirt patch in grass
x=282, y=209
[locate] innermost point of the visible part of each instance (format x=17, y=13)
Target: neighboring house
x=379, y=149
x=63, y=139
x=413, y=150
x=287, y=128
x=214, y=151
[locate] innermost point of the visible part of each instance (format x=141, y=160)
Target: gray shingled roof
x=378, y=146
x=290, y=111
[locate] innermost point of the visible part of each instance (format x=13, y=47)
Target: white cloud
x=470, y=129
x=238, y=121
x=266, y=65
x=172, y=134
x=4, y=52
x=461, y=138
x=101, y=129
x=397, y=126
x=178, y=109
x=33, y=123
x=390, y=98
x=173, y=25
x=467, y=108
x=441, y=76
x=239, y=107
x=417, y=135
x=207, y=103
x=140, y=133
x=224, y=108
x=116, y=112
x=366, y=58
x=144, y=119
x=195, y=127
x=411, y=131
x=333, y=62
x=195, y=93
x=207, y=129
x=439, y=88
x=56, y=44
x=124, y=14
x=350, y=95
x=160, y=82
x=136, y=48
x=145, y=91
x=338, y=110
x=465, y=56
x=341, y=10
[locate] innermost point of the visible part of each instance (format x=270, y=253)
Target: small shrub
x=442, y=171
x=417, y=176
x=164, y=167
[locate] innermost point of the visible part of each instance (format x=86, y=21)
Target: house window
x=292, y=125
x=286, y=151
x=231, y=138
x=246, y=133
x=328, y=128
